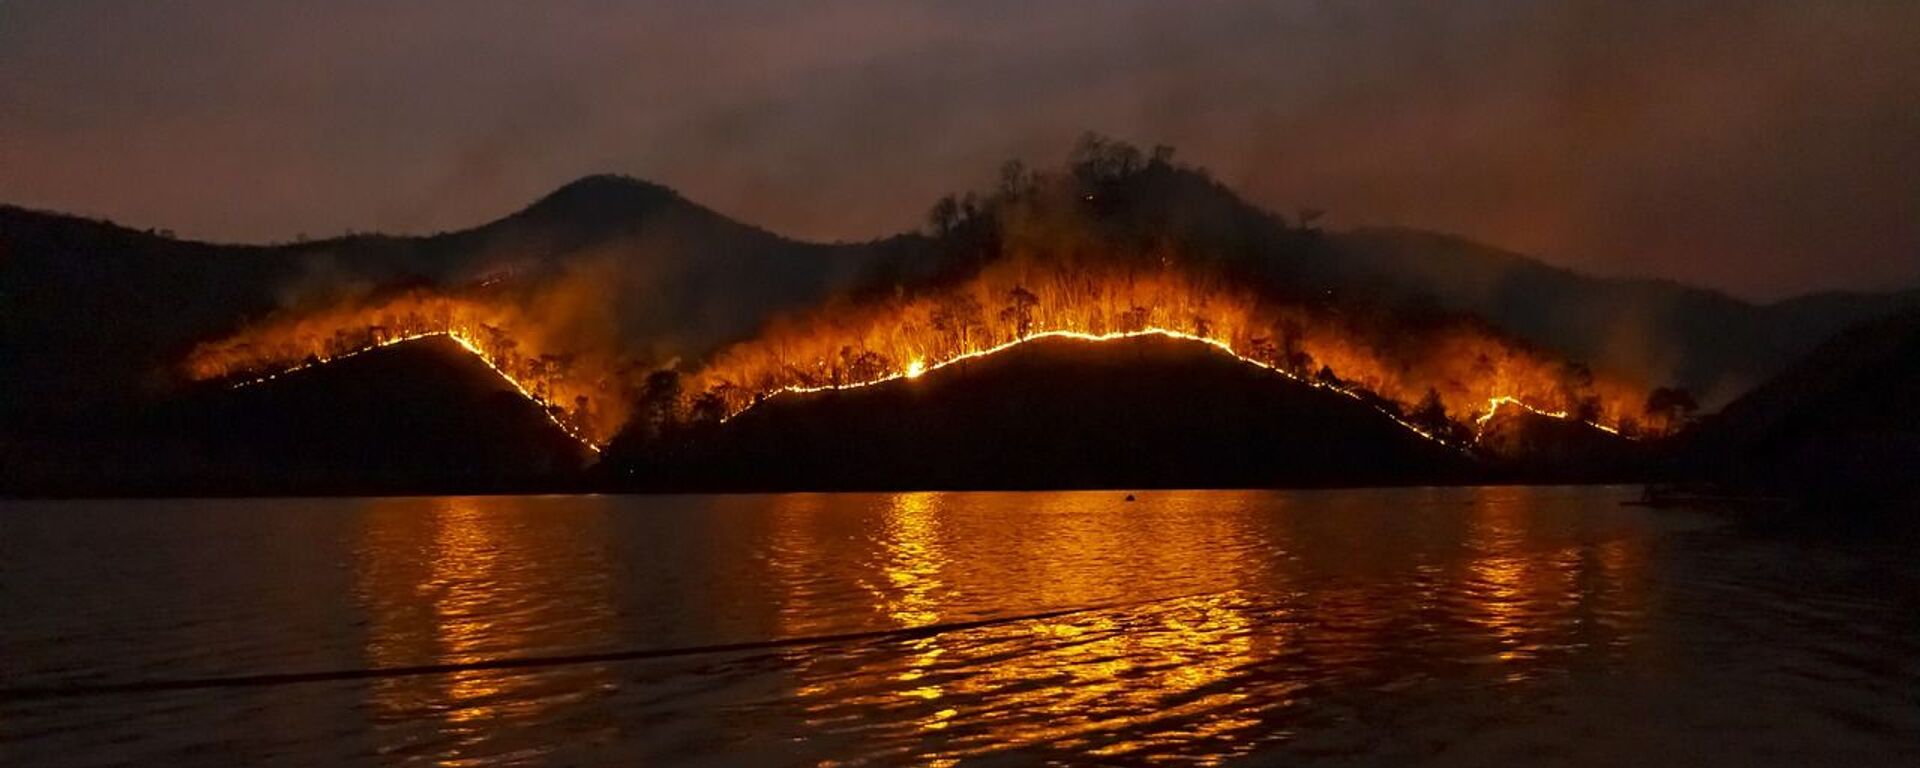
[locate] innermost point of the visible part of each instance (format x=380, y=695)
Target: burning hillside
x=1434, y=378
x=1113, y=248
x=1110, y=250
x=583, y=388
x=1051, y=412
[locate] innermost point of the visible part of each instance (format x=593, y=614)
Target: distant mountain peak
x=601, y=197
x=610, y=184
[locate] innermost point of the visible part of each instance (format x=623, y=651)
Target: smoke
x=1768, y=147
x=1124, y=243
x=320, y=281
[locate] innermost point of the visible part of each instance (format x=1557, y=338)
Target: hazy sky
x=1766, y=148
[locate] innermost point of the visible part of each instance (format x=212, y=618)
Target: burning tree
x=583, y=391
x=1059, y=266
x=1018, y=313
x=1669, y=408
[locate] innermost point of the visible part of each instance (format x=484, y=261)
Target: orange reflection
x=1209, y=623
x=1059, y=682
x=461, y=580
x=1209, y=614
x=1538, y=591
x=914, y=559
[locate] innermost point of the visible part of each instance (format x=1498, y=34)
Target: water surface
x=1455, y=626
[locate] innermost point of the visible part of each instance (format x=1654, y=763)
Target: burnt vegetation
x=1119, y=241
x=686, y=342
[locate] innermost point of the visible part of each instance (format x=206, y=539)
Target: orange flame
x=1388, y=363
x=1472, y=370
x=583, y=394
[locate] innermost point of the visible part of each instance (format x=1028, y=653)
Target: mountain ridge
x=94, y=323
x=1720, y=344
x=1052, y=413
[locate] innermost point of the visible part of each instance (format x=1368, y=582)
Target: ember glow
x=1471, y=371
x=918, y=368
x=1468, y=371
x=1494, y=406
x=554, y=413
x=582, y=393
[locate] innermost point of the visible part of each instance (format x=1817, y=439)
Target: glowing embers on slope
x=917, y=368
x=546, y=408
x=576, y=370
x=1432, y=369
x=1494, y=405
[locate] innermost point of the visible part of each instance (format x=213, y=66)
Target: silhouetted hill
x=419, y=417
x=597, y=203
x=1527, y=447
x=1840, y=428
x=1661, y=332
x=1713, y=344
x=1052, y=413
x=96, y=315
x=95, y=310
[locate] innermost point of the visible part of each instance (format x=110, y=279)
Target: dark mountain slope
x=1532, y=448
x=420, y=417
x=1057, y=414
x=95, y=315
x=1711, y=343
x=90, y=310
x=1840, y=427
x=1660, y=332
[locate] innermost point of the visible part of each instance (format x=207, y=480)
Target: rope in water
x=528, y=663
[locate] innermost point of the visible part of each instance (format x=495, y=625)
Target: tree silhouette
x=1096, y=159
x=866, y=365
x=1015, y=180
x=708, y=409
x=1263, y=349
x=1019, y=311
x=1670, y=407
x=1431, y=414
x=958, y=315
x=944, y=216
x=660, y=402
x=1587, y=409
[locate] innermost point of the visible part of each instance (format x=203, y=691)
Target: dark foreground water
x=1464, y=626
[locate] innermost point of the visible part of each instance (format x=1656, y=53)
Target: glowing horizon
x=917, y=369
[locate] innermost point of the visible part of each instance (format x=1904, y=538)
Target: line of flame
x=918, y=368
x=465, y=343
x=1494, y=405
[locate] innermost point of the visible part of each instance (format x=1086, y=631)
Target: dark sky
x=1767, y=148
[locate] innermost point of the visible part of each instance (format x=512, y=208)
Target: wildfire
x=1460, y=372
x=1465, y=371
x=546, y=408
x=576, y=392
x=917, y=368
x=1444, y=381
x=1494, y=405
x=1109, y=249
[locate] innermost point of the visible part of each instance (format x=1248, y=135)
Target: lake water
x=1450, y=626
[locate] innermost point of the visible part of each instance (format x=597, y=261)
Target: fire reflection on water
x=1063, y=681
x=1473, y=626
x=450, y=581
x=1210, y=672
x=1209, y=625
x=914, y=560
x=1532, y=595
